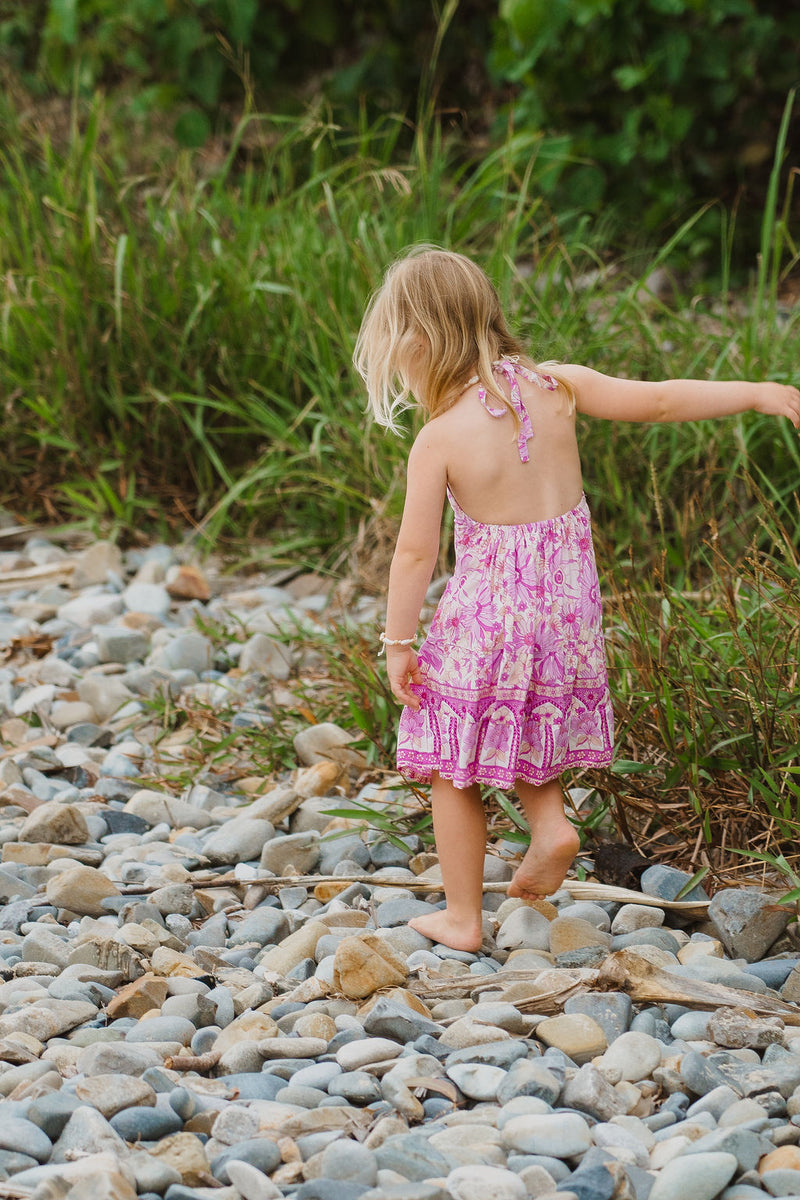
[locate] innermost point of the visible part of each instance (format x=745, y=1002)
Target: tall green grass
x=176, y=330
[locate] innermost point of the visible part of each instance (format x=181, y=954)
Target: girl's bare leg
x=554, y=841
x=459, y=825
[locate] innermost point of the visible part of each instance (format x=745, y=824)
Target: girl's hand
x=779, y=400
x=402, y=666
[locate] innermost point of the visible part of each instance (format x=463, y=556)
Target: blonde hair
x=434, y=323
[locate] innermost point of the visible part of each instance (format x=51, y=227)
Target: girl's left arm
x=414, y=559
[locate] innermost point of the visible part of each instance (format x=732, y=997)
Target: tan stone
x=212, y=900
x=294, y=948
x=249, y=1027
x=102, y=1185
x=185, y=1153
x=32, y=1089
x=19, y=798
x=93, y=564
x=30, y=854
x=402, y=996
x=145, y=622
x=170, y=962
x=327, y=891
x=352, y=918
x=80, y=890
x=108, y=956
x=187, y=583
x=423, y=861
x=109, y=1094
x=465, y=1032
x=577, y=1035
x=363, y=964
x=712, y=949
x=292, y=1047
x=139, y=938
x=315, y=1025
x=70, y=712
x=251, y=785
x=42, y=1022
x=512, y=903
x=137, y=998
x=63, y=824
x=791, y=988
x=573, y=933
x=785, y=1158
x=317, y=779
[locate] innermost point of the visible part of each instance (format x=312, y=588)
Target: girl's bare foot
x=441, y=926
x=544, y=866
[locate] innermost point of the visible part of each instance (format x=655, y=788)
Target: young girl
x=509, y=688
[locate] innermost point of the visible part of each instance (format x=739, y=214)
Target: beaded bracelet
x=385, y=641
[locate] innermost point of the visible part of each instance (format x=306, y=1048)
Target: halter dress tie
x=511, y=368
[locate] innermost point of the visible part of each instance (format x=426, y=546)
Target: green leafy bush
x=190, y=55
x=664, y=102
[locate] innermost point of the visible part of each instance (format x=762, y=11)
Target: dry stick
x=10, y=580
x=578, y=889
x=624, y=970
x=193, y=1062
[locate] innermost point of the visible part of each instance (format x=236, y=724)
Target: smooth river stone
x=23, y=1137
x=476, y=1080
x=632, y=1056
x=560, y=1135
x=577, y=1036
x=700, y=1176
x=476, y=1182
x=109, y=1094
x=355, y=1055
x=147, y=1124
x=162, y=1029
x=571, y=933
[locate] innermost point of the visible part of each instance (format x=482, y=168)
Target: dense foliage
x=661, y=103
x=641, y=107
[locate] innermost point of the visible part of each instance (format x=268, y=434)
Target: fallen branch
x=577, y=889
x=644, y=982
x=569, y=981
x=10, y=580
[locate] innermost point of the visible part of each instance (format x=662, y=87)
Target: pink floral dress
x=515, y=683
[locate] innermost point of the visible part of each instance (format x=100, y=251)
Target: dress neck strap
x=511, y=368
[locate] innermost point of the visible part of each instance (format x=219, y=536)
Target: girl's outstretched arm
x=613, y=399
x=414, y=559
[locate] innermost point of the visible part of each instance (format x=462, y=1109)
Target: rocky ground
x=206, y=993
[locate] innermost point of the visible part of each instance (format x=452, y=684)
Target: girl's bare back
x=484, y=469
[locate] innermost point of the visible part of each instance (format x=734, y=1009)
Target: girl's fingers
x=402, y=692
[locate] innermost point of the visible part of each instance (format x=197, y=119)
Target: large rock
x=87, y=1132
x=62, y=824
x=297, y=946
x=104, y=694
x=238, y=840
x=747, y=921
x=95, y=563
x=365, y=963
x=184, y=1152
x=299, y=851
x=576, y=1035
x=81, y=890
x=700, y=1176
x=326, y=741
